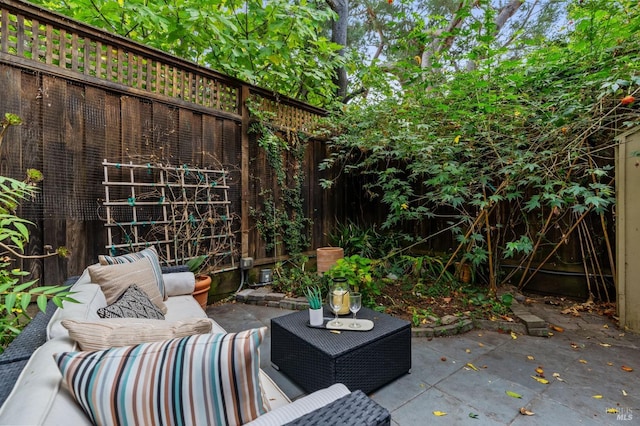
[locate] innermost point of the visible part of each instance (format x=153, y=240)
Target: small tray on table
x=365, y=324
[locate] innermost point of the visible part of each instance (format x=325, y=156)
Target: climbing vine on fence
x=514, y=157
x=282, y=220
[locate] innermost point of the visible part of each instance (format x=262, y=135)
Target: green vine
x=281, y=221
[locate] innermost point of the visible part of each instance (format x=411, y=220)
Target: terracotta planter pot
x=327, y=257
x=201, y=291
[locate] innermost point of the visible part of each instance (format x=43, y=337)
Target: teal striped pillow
x=149, y=253
x=205, y=379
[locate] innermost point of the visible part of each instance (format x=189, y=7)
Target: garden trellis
x=182, y=211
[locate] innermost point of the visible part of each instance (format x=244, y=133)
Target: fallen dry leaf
x=609, y=364
x=605, y=345
x=540, y=380
x=540, y=371
x=526, y=412
x=597, y=396
x=471, y=366
x=612, y=411
x=507, y=318
x=530, y=358
x=625, y=368
x=624, y=392
x=514, y=335
x=443, y=358
x=557, y=376
x=468, y=351
x=513, y=394
x=583, y=361
x=557, y=328
x=481, y=345
x=439, y=413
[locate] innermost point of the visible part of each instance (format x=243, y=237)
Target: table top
x=335, y=344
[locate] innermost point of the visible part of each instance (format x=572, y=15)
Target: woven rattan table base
x=316, y=358
x=355, y=409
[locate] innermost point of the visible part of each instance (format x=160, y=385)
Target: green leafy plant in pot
x=314, y=297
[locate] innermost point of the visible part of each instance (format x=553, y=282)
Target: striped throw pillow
x=149, y=253
x=205, y=379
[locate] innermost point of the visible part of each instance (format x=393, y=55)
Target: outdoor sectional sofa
x=184, y=367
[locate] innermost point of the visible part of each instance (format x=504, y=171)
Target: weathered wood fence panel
x=85, y=95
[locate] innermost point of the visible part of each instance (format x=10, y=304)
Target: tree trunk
x=339, y=36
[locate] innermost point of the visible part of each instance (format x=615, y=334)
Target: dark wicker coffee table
x=315, y=358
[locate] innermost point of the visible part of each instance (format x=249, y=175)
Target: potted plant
x=314, y=297
x=203, y=281
x=356, y=271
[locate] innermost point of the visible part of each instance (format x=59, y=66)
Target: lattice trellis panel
x=184, y=212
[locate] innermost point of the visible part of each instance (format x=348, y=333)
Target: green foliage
x=279, y=45
x=421, y=269
x=314, y=296
x=366, y=241
x=359, y=272
x=355, y=269
x=196, y=264
x=282, y=219
x=292, y=277
x=16, y=295
x=508, y=152
x=491, y=304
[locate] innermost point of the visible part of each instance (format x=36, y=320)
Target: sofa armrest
x=179, y=283
x=353, y=409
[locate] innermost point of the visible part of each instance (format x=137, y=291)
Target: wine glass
x=336, y=297
x=355, y=303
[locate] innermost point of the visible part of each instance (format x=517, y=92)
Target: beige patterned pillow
x=116, y=332
x=115, y=279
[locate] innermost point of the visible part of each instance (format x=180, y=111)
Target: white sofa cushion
x=210, y=379
x=90, y=299
x=115, y=332
x=37, y=388
x=115, y=279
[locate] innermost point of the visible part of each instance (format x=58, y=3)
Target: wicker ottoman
x=315, y=358
x=355, y=409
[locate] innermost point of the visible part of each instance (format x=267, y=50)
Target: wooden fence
x=85, y=96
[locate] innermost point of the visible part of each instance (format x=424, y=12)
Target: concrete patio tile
x=461, y=348
x=487, y=393
x=397, y=393
x=428, y=365
x=450, y=386
x=419, y=411
x=547, y=412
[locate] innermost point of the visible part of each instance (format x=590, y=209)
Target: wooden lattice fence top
x=42, y=39
x=49, y=39
x=184, y=212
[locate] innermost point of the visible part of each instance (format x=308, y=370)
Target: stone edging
x=527, y=324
